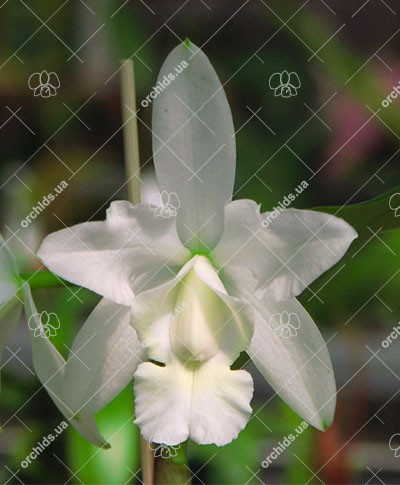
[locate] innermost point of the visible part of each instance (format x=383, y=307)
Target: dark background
x=334, y=133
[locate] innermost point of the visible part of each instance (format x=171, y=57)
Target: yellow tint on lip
x=198, y=316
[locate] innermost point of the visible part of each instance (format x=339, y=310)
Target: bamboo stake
x=132, y=166
x=131, y=139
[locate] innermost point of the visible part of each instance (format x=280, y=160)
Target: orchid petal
x=10, y=314
x=155, y=200
x=285, y=257
x=296, y=364
x=9, y=318
x=227, y=326
x=173, y=200
x=49, y=366
x=10, y=304
x=9, y=277
x=152, y=313
x=206, y=402
x=194, y=145
x=103, y=358
x=129, y=252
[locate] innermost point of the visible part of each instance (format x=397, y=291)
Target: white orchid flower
x=50, y=367
x=201, y=287
x=10, y=303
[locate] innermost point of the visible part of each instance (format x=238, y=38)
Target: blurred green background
x=334, y=133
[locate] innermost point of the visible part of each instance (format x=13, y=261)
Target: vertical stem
x=148, y=462
x=131, y=139
x=132, y=166
x=173, y=470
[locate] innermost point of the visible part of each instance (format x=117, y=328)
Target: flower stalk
x=173, y=470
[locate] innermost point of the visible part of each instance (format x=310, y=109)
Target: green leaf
x=118, y=464
x=378, y=214
x=374, y=216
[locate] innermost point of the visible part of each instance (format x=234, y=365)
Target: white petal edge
x=10, y=304
x=9, y=319
x=9, y=277
x=298, y=368
x=286, y=256
x=208, y=405
x=49, y=366
x=127, y=253
x=194, y=145
x=103, y=358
